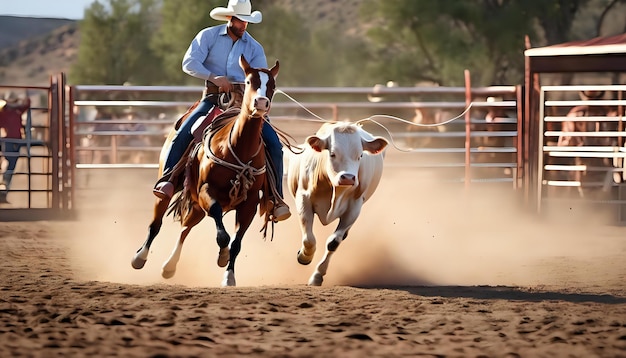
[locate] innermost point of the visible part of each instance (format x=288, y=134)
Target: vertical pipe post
x=72, y=152
x=519, y=148
x=468, y=130
x=54, y=140
x=64, y=143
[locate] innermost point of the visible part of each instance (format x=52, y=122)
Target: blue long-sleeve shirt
x=213, y=52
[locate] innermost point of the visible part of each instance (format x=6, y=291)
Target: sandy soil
x=428, y=270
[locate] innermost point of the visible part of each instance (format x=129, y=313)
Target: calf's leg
x=332, y=243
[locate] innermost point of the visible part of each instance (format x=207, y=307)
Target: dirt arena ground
x=428, y=270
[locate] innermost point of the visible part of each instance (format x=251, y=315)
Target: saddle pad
x=201, y=123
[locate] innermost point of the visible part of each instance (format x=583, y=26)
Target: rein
x=245, y=172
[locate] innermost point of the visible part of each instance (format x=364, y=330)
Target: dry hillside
x=32, y=61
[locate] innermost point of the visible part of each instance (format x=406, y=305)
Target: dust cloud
x=415, y=230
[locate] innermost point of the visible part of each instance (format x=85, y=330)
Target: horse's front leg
x=140, y=258
x=244, y=217
x=188, y=221
x=332, y=243
x=214, y=210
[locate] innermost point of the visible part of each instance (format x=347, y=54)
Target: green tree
x=309, y=55
x=421, y=40
x=181, y=22
x=115, y=38
x=408, y=41
x=284, y=38
x=555, y=17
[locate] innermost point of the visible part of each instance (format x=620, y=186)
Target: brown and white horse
x=225, y=172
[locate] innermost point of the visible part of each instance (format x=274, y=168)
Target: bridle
x=245, y=173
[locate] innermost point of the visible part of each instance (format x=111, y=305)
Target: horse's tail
x=264, y=206
x=182, y=203
x=175, y=208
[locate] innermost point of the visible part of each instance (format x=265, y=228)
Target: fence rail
x=594, y=165
x=466, y=148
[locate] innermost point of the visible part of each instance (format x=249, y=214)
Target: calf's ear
x=375, y=146
x=318, y=144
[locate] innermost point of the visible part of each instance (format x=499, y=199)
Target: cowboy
x=11, y=110
x=213, y=56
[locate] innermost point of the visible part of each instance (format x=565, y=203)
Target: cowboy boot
x=163, y=190
x=280, y=211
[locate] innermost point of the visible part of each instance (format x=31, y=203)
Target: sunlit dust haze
x=415, y=230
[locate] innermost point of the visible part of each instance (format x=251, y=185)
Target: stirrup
x=163, y=190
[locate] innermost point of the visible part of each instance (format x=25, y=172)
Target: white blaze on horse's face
x=262, y=82
x=261, y=100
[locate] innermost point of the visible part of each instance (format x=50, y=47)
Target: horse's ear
x=274, y=70
x=244, y=64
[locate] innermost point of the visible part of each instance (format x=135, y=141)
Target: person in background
x=213, y=56
x=570, y=139
x=11, y=110
x=134, y=139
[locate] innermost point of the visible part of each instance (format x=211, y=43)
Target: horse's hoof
x=167, y=273
x=138, y=263
x=229, y=279
x=223, y=257
x=316, y=279
x=304, y=260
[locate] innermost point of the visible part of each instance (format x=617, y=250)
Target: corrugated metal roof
x=598, y=45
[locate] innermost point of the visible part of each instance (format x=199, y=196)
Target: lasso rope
x=246, y=173
x=370, y=119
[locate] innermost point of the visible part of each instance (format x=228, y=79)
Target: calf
x=338, y=171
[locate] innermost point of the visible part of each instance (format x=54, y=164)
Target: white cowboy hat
x=241, y=9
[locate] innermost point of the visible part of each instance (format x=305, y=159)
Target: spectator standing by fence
x=11, y=110
x=136, y=138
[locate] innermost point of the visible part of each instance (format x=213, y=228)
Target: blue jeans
x=13, y=151
x=275, y=152
x=184, y=137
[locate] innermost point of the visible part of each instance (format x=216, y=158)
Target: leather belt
x=210, y=88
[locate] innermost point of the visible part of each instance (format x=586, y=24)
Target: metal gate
x=582, y=163
x=42, y=182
